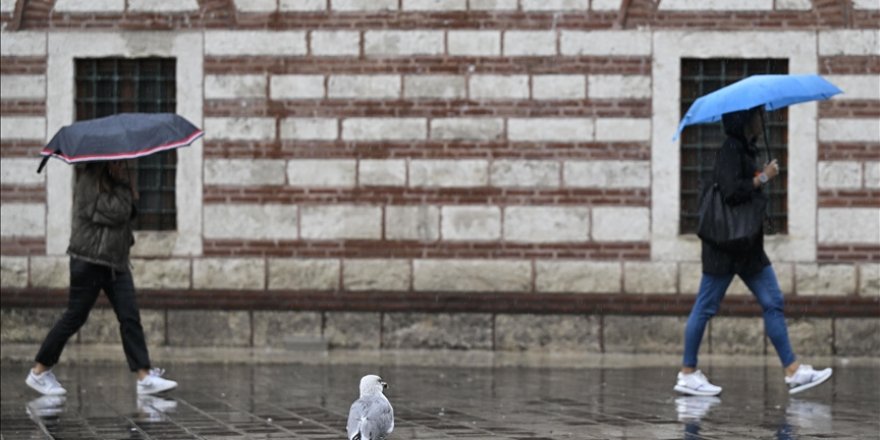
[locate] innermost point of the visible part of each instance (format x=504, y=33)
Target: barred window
x=107, y=86
x=699, y=143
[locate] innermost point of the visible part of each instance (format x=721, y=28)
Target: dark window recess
x=699, y=143
x=107, y=86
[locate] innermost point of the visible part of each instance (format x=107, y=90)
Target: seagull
x=371, y=416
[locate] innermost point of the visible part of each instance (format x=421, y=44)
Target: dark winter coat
x=735, y=169
x=101, y=231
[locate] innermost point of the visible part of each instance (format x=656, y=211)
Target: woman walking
x=100, y=241
x=739, y=180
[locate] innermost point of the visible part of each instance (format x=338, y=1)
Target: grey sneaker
x=696, y=384
x=154, y=383
x=805, y=378
x=45, y=383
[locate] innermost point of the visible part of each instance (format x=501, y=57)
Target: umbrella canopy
x=771, y=91
x=118, y=137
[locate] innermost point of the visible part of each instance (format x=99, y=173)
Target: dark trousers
x=86, y=281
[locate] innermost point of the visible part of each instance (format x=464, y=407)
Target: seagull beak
x=384, y=385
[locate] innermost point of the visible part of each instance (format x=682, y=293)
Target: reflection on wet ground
x=311, y=402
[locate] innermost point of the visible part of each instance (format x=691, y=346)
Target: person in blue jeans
x=739, y=180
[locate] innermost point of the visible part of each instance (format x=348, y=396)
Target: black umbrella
x=118, y=137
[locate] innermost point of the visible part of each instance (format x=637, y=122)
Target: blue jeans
x=712, y=289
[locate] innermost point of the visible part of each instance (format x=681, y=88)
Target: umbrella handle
x=769, y=220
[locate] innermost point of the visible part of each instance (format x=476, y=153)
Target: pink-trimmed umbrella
x=119, y=137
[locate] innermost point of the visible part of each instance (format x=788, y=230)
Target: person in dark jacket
x=100, y=240
x=740, y=180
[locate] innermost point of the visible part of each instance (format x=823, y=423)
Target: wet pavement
x=296, y=401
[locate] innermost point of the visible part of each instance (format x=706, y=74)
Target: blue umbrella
x=771, y=91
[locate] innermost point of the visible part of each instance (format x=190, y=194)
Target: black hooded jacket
x=735, y=168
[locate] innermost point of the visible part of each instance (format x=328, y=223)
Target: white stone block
x=619, y=86
x=840, y=174
x=825, y=279
x=382, y=172
x=434, y=86
x=322, y=172
x=471, y=223
x=364, y=5
x=869, y=279
x=474, y=43
x=303, y=5
x=377, y=129
x=23, y=127
x=412, y=223
x=499, y=87
x=555, y=5
x=256, y=5
x=244, y=172
x=7, y=6
x=578, y=277
x=250, y=221
x=865, y=5
x=716, y=5
x=530, y=43
x=376, y=274
x=605, y=43
x=606, y=5
x=434, y=5
x=364, y=86
x=163, y=6
x=492, y=5
x=50, y=272
x=22, y=219
x=564, y=87
x=22, y=86
x=623, y=129
x=649, y=277
x=229, y=273
x=794, y=5
x=484, y=129
x=849, y=130
x=296, y=87
x=856, y=86
x=315, y=129
x=20, y=171
x=13, y=271
x=621, y=223
x=607, y=174
x=550, y=129
x=341, y=222
x=448, y=173
x=546, y=224
x=849, y=42
x=235, y=86
x=255, y=42
x=238, y=128
x=403, y=43
x=161, y=274
x=303, y=274
x=525, y=173
x=849, y=225
x=872, y=174
x=22, y=44
x=85, y=6
x=336, y=43
x=472, y=275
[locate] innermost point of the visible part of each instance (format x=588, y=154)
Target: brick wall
x=414, y=147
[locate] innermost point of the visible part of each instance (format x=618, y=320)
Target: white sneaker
x=694, y=408
x=805, y=378
x=45, y=383
x=696, y=384
x=154, y=383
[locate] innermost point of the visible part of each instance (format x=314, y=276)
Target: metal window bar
x=106, y=86
x=699, y=143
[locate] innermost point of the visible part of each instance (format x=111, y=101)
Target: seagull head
x=372, y=385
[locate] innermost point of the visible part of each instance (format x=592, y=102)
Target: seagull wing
x=370, y=418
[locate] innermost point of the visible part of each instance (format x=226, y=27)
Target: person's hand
x=771, y=170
